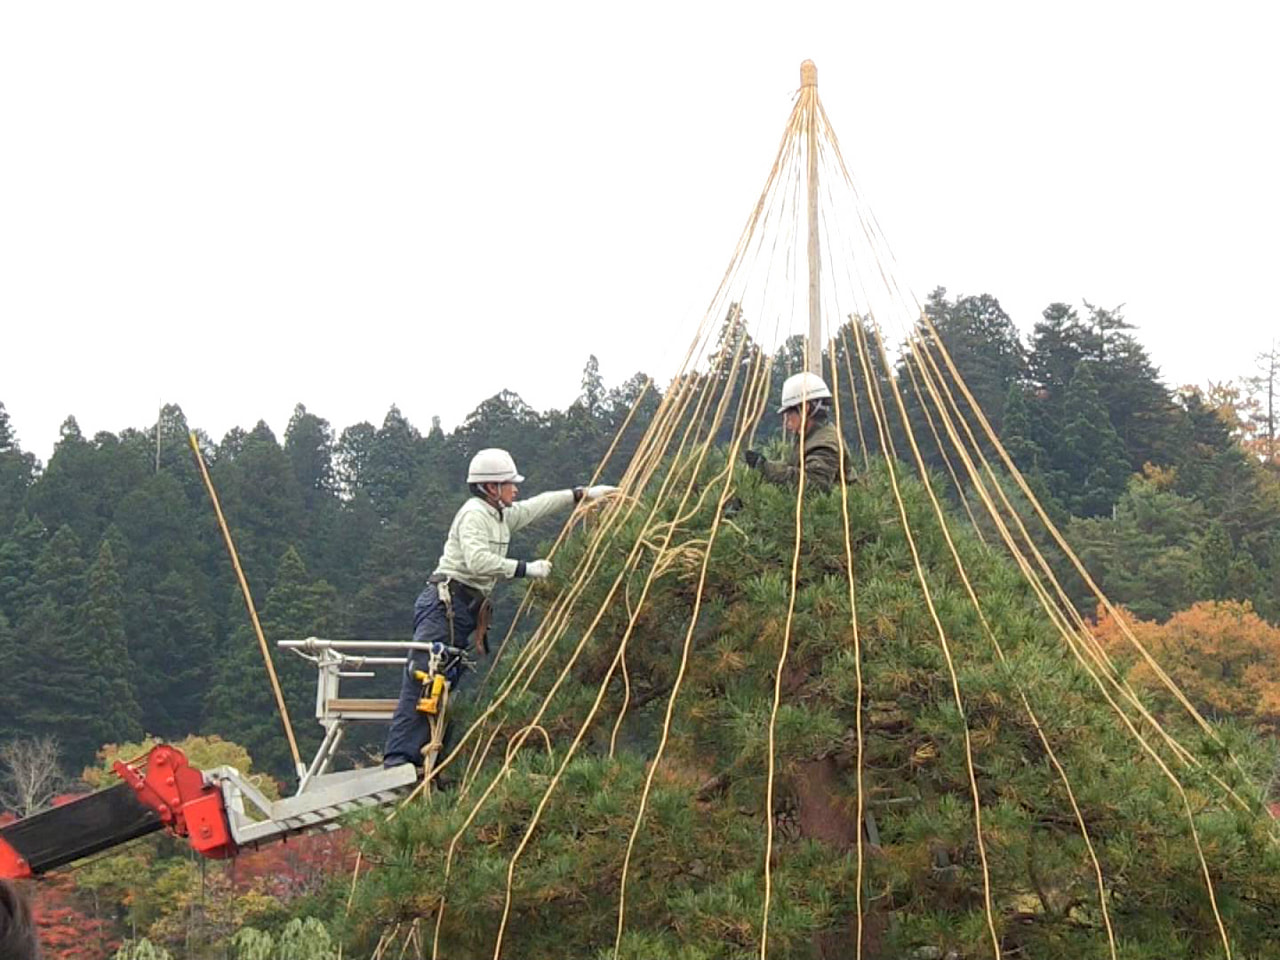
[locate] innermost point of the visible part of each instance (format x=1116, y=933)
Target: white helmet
x=801, y=387
x=493, y=466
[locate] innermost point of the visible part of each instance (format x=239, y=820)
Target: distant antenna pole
x=809, y=91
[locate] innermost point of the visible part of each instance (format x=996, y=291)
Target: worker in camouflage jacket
x=806, y=406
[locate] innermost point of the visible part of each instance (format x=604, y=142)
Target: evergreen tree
x=395, y=459
x=170, y=433
x=1234, y=488
x=51, y=676
x=8, y=440
x=888, y=721
x=1059, y=341
x=351, y=458
x=1138, y=403
x=592, y=396
x=59, y=571
x=733, y=361
x=506, y=421
x=401, y=557
x=1146, y=556
x=1265, y=389
x=17, y=473
x=66, y=494
x=308, y=443
x=262, y=501
x=107, y=685
x=174, y=652
x=1223, y=572
x=18, y=554
x=1016, y=434
x=1090, y=466
x=983, y=344
x=240, y=704
x=355, y=527
x=11, y=668
x=168, y=593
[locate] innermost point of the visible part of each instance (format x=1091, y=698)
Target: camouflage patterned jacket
x=821, y=460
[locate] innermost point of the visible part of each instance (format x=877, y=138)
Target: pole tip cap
x=808, y=74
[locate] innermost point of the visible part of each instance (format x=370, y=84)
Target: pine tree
x=695, y=886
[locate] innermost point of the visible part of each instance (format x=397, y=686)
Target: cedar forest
x=120, y=618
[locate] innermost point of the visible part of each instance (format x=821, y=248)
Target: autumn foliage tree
x=1223, y=656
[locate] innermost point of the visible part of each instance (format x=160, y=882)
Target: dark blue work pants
x=410, y=730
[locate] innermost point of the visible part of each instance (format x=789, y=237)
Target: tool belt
x=477, y=603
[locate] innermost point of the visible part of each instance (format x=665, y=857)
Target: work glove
x=600, y=490
x=537, y=569
x=753, y=458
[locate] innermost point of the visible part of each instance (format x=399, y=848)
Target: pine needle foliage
x=694, y=887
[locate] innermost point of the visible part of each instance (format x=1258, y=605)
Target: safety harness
x=476, y=602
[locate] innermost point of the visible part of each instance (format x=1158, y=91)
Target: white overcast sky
x=243, y=205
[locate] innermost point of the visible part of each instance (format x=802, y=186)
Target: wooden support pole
x=809, y=91
x=253, y=612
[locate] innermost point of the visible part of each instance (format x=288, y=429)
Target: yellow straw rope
x=876, y=403
x=757, y=398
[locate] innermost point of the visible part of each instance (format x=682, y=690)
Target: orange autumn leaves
x=1223, y=656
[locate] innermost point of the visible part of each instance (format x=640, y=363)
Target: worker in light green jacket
x=453, y=605
x=806, y=406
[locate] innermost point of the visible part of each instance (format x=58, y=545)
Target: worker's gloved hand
x=600, y=490
x=753, y=458
x=537, y=569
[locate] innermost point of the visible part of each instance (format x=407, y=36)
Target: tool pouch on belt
x=479, y=607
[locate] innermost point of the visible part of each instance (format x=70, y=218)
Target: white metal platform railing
x=323, y=796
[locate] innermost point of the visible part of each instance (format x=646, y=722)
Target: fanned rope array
x=717, y=399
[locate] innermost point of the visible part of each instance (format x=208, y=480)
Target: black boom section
x=81, y=828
